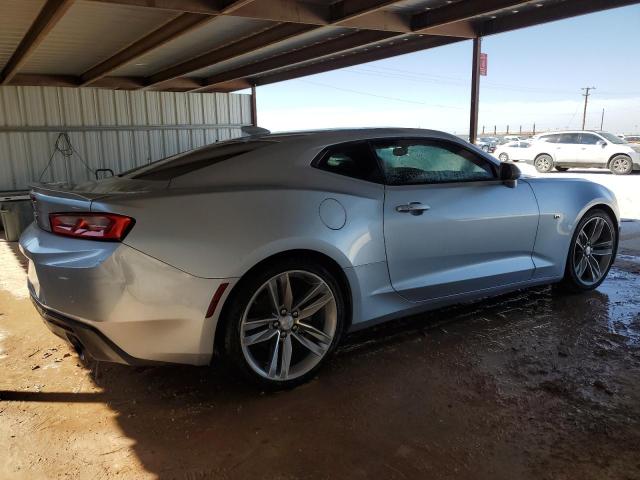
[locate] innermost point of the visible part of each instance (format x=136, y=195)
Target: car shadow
x=389, y=392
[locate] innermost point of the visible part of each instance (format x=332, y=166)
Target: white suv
x=584, y=149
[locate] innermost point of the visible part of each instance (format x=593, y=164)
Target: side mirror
x=400, y=151
x=509, y=174
x=602, y=143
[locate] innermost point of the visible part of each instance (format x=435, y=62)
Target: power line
x=421, y=77
x=418, y=102
x=358, y=92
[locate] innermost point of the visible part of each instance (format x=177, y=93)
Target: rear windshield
x=186, y=162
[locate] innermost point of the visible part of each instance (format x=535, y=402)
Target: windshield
x=612, y=138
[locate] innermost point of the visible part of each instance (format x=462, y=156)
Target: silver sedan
x=267, y=249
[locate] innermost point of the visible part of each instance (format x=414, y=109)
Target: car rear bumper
x=119, y=304
x=85, y=338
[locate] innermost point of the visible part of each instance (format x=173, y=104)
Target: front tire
x=503, y=157
x=283, y=323
x=543, y=163
x=591, y=252
x=621, y=165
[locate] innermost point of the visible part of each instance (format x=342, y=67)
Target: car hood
x=634, y=147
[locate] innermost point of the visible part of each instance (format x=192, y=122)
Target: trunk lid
x=49, y=198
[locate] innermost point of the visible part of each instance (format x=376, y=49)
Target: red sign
x=483, y=64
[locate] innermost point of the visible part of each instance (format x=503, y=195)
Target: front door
x=450, y=225
x=568, y=148
x=590, y=152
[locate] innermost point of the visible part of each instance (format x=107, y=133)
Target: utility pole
x=475, y=90
x=602, y=119
x=586, y=99
x=254, y=106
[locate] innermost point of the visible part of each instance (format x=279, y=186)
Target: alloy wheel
x=543, y=163
x=593, y=250
x=620, y=165
x=289, y=325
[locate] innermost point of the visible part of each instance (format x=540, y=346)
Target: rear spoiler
x=63, y=191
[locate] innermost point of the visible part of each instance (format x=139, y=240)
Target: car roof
x=339, y=135
x=556, y=132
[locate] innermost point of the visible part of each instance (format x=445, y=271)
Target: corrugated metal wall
x=108, y=128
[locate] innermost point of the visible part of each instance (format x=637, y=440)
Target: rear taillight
x=91, y=226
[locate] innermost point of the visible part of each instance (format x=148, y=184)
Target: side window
x=353, y=160
x=588, y=139
x=551, y=138
x=570, y=138
x=410, y=162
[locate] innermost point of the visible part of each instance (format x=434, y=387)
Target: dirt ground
x=532, y=385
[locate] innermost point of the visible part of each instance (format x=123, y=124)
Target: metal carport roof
x=226, y=45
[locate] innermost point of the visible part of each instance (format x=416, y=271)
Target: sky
x=534, y=75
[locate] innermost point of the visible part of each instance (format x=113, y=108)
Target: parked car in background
x=584, y=149
x=512, y=138
x=514, y=151
x=635, y=139
x=488, y=144
x=268, y=249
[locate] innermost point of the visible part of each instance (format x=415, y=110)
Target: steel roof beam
x=347, y=10
x=169, y=31
x=550, y=13
x=360, y=14
x=457, y=12
x=350, y=59
x=49, y=16
x=114, y=83
x=533, y=17
x=326, y=47
x=254, y=42
x=207, y=7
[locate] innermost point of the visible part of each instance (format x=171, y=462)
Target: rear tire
x=591, y=252
x=543, y=163
x=561, y=169
x=503, y=157
x=281, y=349
x=621, y=165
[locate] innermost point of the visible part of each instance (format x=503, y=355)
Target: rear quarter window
x=350, y=160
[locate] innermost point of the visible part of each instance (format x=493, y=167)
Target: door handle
x=414, y=208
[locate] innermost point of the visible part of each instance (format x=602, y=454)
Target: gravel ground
x=531, y=385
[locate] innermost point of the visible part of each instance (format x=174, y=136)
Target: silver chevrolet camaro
x=267, y=249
